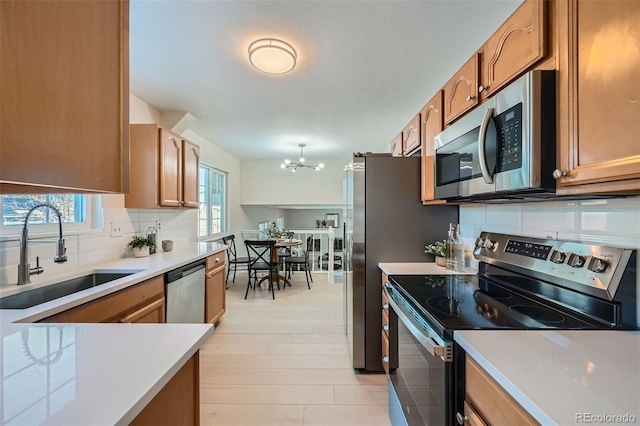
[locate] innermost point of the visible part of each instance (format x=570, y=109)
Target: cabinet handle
x=385, y=306
x=385, y=359
x=461, y=419
x=557, y=173
x=470, y=98
x=482, y=89
x=210, y=276
x=385, y=327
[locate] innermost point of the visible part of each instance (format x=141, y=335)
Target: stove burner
x=444, y=305
x=539, y=314
x=496, y=293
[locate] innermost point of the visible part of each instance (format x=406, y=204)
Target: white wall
x=264, y=182
x=306, y=218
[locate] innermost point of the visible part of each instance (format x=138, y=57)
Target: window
x=212, y=214
x=73, y=210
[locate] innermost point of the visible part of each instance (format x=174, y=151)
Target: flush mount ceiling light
x=300, y=164
x=272, y=56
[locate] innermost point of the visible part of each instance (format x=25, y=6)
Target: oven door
x=421, y=388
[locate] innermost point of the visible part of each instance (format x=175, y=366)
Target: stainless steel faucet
x=24, y=269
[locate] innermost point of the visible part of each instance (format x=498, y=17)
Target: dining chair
x=301, y=261
x=233, y=259
x=264, y=257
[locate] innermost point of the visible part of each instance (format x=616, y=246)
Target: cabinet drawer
x=492, y=402
x=113, y=307
x=385, y=323
x=385, y=352
x=216, y=260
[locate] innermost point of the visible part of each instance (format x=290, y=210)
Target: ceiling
x=365, y=68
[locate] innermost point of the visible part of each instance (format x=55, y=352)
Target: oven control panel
x=589, y=268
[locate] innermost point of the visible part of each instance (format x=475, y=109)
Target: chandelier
x=288, y=164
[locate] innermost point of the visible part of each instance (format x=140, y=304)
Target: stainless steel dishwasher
x=185, y=293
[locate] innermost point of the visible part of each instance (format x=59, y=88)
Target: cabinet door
x=170, y=170
x=431, y=123
x=600, y=97
x=460, y=92
x=190, y=174
x=64, y=96
x=518, y=44
x=411, y=136
x=396, y=146
x=216, y=294
x=153, y=313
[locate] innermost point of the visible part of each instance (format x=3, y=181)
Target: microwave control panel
x=509, y=135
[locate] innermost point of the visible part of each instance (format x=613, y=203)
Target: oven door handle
x=482, y=146
x=430, y=344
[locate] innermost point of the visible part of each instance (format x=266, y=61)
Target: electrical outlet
x=158, y=225
x=116, y=230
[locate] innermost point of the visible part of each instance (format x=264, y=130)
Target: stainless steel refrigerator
x=384, y=221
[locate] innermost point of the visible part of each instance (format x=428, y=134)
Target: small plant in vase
x=140, y=245
x=439, y=250
x=274, y=232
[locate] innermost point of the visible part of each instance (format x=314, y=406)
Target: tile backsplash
x=86, y=249
x=614, y=222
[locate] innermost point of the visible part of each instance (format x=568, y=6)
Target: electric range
x=522, y=283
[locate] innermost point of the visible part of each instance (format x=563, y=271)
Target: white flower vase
x=141, y=252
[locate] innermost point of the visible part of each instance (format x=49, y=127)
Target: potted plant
x=140, y=245
x=439, y=250
x=274, y=232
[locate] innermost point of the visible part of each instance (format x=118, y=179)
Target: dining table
x=282, y=243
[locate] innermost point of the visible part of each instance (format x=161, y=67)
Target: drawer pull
x=461, y=419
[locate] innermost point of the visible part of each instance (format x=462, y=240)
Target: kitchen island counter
x=563, y=377
x=64, y=374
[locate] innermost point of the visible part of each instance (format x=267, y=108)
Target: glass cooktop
x=462, y=302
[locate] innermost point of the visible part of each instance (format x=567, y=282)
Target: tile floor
x=286, y=362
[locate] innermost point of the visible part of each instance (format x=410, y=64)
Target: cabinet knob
x=470, y=98
x=217, y=259
x=482, y=89
x=385, y=327
x=461, y=419
x=385, y=359
x=182, y=203
x=385, y=306
x=557, y=173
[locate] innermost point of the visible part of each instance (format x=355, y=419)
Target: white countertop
x=420, y=268
x=81, y=374
x=558, y=375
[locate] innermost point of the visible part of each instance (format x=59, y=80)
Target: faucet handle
x=38, y=269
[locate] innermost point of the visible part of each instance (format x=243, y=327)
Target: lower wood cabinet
x=215, y=288
x=142, y=302
x=487, y=403
x=178, y=402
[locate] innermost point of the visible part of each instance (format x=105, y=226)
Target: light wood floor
x=286, y=362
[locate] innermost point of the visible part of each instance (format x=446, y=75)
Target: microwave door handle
x=482, y=141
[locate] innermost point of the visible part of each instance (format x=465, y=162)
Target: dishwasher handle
x=184, y=271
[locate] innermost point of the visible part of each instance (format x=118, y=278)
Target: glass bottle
x=449, y=247
x=458, y=251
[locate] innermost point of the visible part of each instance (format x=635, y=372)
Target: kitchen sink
x=47, y=293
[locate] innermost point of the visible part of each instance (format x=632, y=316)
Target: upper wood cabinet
x=396, y=146
x=518, y=44
x=166, y=172
x=411, y=136
x=64, y=96
x=461, y=91
x=599, y=96
x=431, y=124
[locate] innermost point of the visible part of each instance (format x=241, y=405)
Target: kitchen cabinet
x=411, y=136
x=178, y=402
x=599, y=97
x=487, y=403
x=64, y=96
x=396, y=146
x=167, y=169
x=461, y=91
x=142, y=302
x=215, y=289
x=431, y=117
x=389, y=334
x=515, y=47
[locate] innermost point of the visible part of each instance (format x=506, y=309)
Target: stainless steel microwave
x=505, y=148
